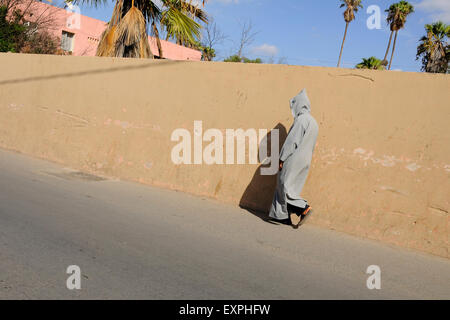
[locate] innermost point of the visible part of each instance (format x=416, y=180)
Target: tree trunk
x=388, y=47
x=342, y=46
x=393, y=49
x=158, y=41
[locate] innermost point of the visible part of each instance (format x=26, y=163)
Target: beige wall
x=380, y=169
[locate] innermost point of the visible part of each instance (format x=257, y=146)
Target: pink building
x=81, y=34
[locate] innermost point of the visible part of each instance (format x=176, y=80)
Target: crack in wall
x=352, y=75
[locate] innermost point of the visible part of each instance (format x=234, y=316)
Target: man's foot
x=295, y=220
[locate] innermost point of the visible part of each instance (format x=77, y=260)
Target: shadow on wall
x=258, y=195
x=163, y=63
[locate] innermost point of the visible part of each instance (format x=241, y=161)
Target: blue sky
x=309, y=32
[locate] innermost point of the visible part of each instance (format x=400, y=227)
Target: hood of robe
x=300, y=104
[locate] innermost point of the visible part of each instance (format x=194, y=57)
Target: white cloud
x=265, y=50
x=437, y=9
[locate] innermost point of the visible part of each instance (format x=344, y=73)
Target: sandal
x=305, y=215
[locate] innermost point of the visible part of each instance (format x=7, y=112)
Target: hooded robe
x=296, y=154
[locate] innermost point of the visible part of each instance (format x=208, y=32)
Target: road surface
x=140, y=242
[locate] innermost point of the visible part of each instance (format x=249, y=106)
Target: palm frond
x=434, y=49
x=131, y=27
x=195, y=11
x=397, y=14
x=126, y=33
x=149, y=9
x=107, y=40
x=370, y=63
x=180, y=26
x=352, y=7
x=131, y=36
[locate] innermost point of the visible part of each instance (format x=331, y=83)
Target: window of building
x=67, y=41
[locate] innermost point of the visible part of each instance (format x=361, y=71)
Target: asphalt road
x=135, y=241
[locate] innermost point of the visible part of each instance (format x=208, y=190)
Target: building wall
x=87, y=33
x=381, y=165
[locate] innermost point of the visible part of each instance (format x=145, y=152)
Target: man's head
x=300, y=104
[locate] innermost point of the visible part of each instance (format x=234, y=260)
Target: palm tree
x=370, y=63
x=174, y=29
x=126, y=32
x=434, y=49
x=349, y=16
x=396, y=18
